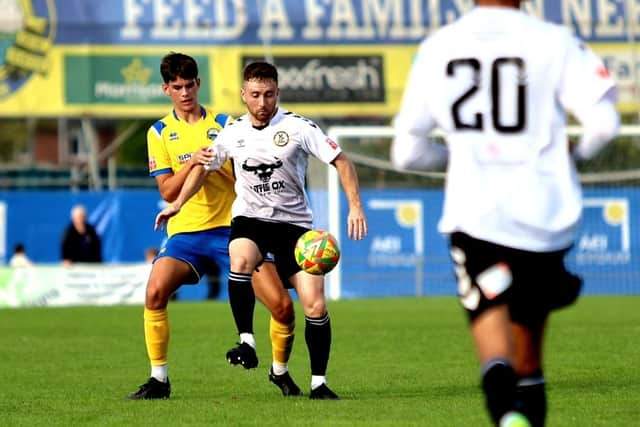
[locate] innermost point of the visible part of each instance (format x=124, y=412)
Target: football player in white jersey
x=497, y=82
x=270, y=148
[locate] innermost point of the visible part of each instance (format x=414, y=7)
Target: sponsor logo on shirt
x=332, y=143
x=152, y=163
x=184, y=158
x=281, y=138
x=264, y=171
x=173, y=136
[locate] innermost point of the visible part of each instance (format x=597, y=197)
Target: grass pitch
x=394, y=361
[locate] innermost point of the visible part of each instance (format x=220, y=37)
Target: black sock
x=499, y=385
x=317, y=334
x=242, y=301
x=532, y=399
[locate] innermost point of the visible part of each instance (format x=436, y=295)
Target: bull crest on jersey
x=263, y=170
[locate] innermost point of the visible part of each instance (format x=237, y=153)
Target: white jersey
x=270, y=165
x=498, y=81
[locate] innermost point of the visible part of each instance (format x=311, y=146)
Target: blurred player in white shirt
x=270, y=148
x=498, y=83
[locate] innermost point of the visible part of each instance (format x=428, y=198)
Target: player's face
x=183, y=94
x=261, y=97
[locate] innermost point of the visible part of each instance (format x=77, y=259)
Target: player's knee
x=315, y=308
x=284, y=312
x=499, y=386
x=242, y=264
x=156, y=297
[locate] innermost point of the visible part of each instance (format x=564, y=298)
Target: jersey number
x=477, y=122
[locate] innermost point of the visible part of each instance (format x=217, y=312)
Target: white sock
x=160, y=373
x=317, y=381
x=248, y=338
x=279, y=369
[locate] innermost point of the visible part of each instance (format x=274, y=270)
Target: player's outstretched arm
x=356, y=221
x=191, y=185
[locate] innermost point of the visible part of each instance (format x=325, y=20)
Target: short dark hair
x=260, y=71
x=178, y=65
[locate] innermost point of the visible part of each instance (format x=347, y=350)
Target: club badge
x=281, y=138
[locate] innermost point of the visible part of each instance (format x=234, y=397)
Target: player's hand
x=219, y=155
x=203, y=156
x=357, y=224
x=163, y=217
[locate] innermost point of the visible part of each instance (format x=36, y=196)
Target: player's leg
x=317, y=333
x=530, y=390
x=485, y=286
x=167, y=274
x=271, y=292
x=244, y=257
x=544, y=285
x=491, y=332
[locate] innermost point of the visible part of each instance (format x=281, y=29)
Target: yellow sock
x=281, y=340
x=156, y=335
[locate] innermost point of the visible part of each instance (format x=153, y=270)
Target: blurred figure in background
x=81, y=242
x=498, y=83
x=19, y=257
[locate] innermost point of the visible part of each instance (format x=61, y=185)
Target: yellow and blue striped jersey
x=170, y=144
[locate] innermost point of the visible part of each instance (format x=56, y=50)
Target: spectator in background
x=80, y=243
x=19, y=257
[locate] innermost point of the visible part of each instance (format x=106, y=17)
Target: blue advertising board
x=403, y=254
x=293, y=22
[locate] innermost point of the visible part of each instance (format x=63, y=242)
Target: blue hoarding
x=403, y=255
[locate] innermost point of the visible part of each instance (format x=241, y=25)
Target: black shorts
x=277, y=238
x=531, y=283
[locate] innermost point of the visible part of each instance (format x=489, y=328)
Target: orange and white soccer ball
x=317, y=252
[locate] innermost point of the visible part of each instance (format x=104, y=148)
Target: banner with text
x=347, y=57
x=76, y=285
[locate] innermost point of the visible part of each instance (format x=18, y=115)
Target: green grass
x=395, y=361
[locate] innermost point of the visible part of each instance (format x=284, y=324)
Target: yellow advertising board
x=126, y=82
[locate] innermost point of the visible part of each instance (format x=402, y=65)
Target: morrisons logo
x=118, y=79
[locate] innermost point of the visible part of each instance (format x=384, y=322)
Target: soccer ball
x=317, y=252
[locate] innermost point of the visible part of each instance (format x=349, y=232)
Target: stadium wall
x=403, y=255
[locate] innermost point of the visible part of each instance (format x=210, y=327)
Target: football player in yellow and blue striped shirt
x=199, y=236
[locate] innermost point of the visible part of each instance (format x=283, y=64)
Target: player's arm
x=412, y=146
x=356, y=220
x=600, y=123
x=192, y=184
x=418, y=152
x=587, y=90
x=169, y=184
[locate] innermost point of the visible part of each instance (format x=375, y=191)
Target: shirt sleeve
x=585, y=79
x=412, y=147
x=159, y=160
x=316, y=142
x=415, y=116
